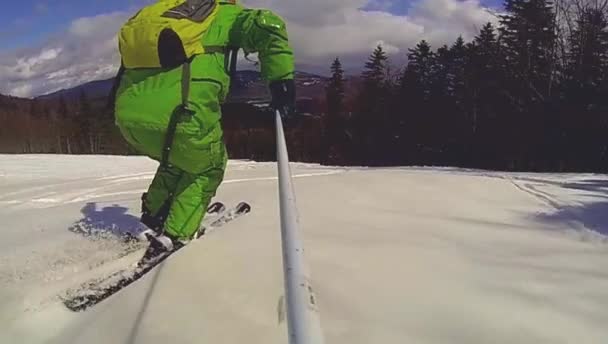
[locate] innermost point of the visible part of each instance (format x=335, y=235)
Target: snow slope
x=406, y=255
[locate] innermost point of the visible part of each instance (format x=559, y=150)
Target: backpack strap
x=234, y=52
x=230, y=52
x=215, y=49
x=230, y=58
x=182, y=109
x=179, y=111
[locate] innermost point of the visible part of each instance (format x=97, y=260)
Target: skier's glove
x=283, y=94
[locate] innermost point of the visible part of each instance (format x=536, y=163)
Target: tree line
x=527, y=94
x=86, y=126
x=61, y=126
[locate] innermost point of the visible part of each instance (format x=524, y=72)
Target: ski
x=93, y=292
x=225, y=217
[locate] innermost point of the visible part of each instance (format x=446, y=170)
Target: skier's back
x=172, y=113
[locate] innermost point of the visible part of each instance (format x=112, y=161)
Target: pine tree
x=414, y=97
x=588, y=57
x=335, y=93
x=374, y=73
x=487, y=107
x=374, y=92
x=417, y=75
x=457, y=128
x=372, y=119
x=528, y=42
x=528, y=45
x=584, y=125
x=440, y=77
x=458, y=55
x=487, y=46
x=335, y=89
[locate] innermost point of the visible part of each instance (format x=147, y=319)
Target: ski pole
x=303, y=323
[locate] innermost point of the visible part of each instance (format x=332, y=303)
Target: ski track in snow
x=532, y=187
x=528, y=188
x=54, y=198
x=60, y=267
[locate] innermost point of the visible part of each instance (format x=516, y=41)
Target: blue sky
x=31, y=21
x=47, y=45
x=401, y=7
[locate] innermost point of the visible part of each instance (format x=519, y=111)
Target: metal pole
x=303, y=322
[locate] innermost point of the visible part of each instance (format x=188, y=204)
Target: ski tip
x=243, y=207
x=216, y=207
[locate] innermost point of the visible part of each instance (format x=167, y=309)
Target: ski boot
x=162, y=244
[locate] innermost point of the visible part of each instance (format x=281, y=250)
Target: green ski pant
x=186, y=195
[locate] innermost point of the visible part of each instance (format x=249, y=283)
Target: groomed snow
x=401, y=255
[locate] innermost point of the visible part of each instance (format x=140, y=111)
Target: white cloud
x=26, y=67
x=22, y=91
x=390, y=49
x=104, y=25
x=445, y=16
x=85, y=52
x=322, y=29
x=319, y=31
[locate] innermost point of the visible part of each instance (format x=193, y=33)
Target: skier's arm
x=264, y=32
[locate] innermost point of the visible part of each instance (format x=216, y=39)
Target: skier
x=172, y=113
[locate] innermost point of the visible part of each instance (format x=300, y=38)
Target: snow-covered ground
x=403, y=255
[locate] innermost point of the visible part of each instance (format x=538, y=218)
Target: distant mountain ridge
x=92, y=89
x=248, y=85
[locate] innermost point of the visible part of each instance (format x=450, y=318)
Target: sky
x=47, y=45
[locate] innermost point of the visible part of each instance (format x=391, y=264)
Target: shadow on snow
x=107, y=221
x=592, y=214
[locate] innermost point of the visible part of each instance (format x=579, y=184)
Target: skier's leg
x=156, y=202
x=192, y=197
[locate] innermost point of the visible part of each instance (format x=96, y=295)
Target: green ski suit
x=180, y=192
